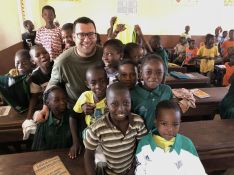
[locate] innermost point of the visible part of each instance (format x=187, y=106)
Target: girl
x=146, y=95
x=55, y=132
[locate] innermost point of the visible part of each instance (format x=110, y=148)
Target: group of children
x=130, y=116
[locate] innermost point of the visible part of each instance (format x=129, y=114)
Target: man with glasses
x=70, y=68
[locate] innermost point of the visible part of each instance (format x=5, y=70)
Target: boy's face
x=48, y=15
x=136, y=55
x=187, y=29
x=85, y=38
x=168, y=123
x=191, y=44
x=29, y=26
x=57, y=101
x=23, y=65
x=119, y=104
x=97, y=82
x=40, y=57
x=211, y=41
x=67, y=36
x=152, y=73
x=231, y=35
x=111, y=57
x=225, y=33
x=127, y=75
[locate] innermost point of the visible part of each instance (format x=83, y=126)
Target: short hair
x=116, y=86
x=26, y=22
x=23, y=53
x=128, y=49
x=67, y=26
x=126, y=61
x=48, y=7
x=150, y=57
x=155, y=39
x=167, y=104
x=83, y=20
x=51, y=89
x=34, y=48
x=94, y=68
x=115, y=44
x=208, y=37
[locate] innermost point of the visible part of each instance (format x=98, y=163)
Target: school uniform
x=180, y=159
x=144, y=102
x=53, y=134
x=162, y=52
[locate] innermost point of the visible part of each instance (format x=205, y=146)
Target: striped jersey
x=51, y=40
x=117, y=147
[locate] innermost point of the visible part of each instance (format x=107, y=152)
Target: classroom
x=117, y=87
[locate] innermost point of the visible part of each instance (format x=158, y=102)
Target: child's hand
x=120, y=28
x=137, y=29
x=42, y=115
x=112, y=21
x=88, y=108
x=74, y=150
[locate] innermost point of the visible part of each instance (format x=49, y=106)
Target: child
x=50, y=35
x=229, y=68
x=155, y=43
x=180, y=50
x=133, y=52
x=228, y=43
x=164, y=150
x=67, y=31
x=186, y=33
x=54, y=133
x=93, y=103
x=14, y=87
x=147, y=95
x=190, y=55
x=112, y=54
x=127, y=73
x=29, y=36
x=40, y=76
x=117, y=133
x=208, y=53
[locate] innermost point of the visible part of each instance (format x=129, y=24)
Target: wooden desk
x=22, y=163
x=198, y=81
x=11, y=127
x=214, y=141
x=176, y=68
x=206, y=106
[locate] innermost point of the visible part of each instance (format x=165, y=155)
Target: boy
x=180, y=50
x=127, y=73
x=29, y=36
x=190, y=55
x=164, y=150
x=50, y=35
x=228, y=43
x=117, y=133
x=92, y=103
x=40, y=76
x=112, y=54
x=67, y=31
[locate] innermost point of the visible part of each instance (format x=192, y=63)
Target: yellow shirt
x=163, y=143
x=207, y=65
x=88, y=97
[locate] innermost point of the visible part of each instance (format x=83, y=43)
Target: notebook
x=179, y=75
x=199, y=93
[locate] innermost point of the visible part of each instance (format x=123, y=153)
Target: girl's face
x=152, y=73
x=136, y=55
x=111, y=57
x=57, y=101
x=128, y=75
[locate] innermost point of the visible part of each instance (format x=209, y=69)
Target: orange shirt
x=225, y=46
x=190, y=53
x=229, y=72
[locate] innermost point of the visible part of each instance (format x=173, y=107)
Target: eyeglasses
x=90, y=35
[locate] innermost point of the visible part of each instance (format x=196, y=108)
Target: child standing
x=127, y=73
x=49, y=36
x=229, y=68
x=208, y=53
x=228, y=43
x=190, y=54
x=186, y=33
x=164, y=150
x=117, y=133
x=67, y=31
x=112, y=54
x=147, y=95
x=54, y=133
x=29, y=36
x=40, y=76
x=180, y=50
x=93, y=103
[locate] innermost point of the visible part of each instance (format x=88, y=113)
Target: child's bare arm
x=119, y=28
x=89, y=162
x=110, y=30
x=32, y=104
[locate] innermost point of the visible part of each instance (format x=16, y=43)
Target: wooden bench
x=214, y=141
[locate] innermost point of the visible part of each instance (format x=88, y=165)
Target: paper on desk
x=4, y=110
x=199, y=93
x=52, y=166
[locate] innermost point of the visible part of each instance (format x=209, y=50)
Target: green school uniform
x=162, y=52
x=53, y=135
x=144, y=102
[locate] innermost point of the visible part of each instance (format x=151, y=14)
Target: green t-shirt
x=144, y=102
